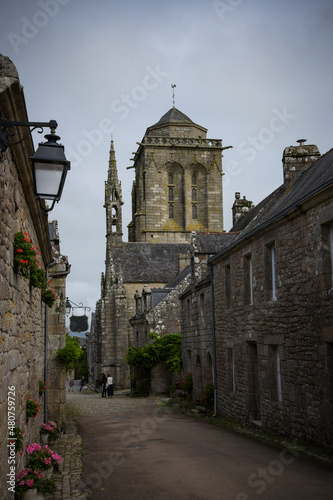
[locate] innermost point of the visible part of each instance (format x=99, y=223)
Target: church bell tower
x=178, y=182
x=113, y=203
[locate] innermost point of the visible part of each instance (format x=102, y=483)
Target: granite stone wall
x=22, y=312
x=197, y=345
x=274, y=353
x=21, y=323
x=56, y=393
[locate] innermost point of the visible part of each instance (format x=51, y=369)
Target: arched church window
x=171, y=195
x=144, y=184
x=194, y=197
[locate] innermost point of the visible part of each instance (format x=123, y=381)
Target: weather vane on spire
x=173, y=93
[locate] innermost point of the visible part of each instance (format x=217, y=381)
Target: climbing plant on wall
x=166, y=349
x=71, y=353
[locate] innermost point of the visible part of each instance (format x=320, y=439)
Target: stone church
x=177, y=190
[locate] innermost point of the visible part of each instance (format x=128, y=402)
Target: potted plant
x=29, y=483
x=49, y=431
x=42, y=386
x=27, y=264
x=32, y=408
x=42, y=457
x=47, y=486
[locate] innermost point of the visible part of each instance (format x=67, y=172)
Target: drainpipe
x=46, y=339
x=213, y=337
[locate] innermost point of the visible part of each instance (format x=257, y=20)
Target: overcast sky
x=256, y=73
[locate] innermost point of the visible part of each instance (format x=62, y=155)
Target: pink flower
x=21, y=483
x=30, y=482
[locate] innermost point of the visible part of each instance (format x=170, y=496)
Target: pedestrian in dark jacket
x=104, y=381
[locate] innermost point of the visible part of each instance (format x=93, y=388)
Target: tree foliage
x=166, y=349
x=71, y=353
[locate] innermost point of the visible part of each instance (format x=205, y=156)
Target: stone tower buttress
x=113, y=203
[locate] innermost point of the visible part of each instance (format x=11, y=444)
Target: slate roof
x=177, y=279
x=212, y=243
x=286, y=197
x=174, y=116
x=158, y=295
x=148, y=262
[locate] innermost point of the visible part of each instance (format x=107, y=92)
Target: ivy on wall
x=71, y=353
x=166, y=349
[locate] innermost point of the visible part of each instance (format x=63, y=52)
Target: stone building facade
x=272, y=290
x=196, y=312
x=177, y=189
x=22, y=312
x=56, y=328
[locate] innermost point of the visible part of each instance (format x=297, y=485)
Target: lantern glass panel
x=48, y=179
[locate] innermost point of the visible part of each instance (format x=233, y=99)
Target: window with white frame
x=271, y=278
x=227, y=282
x=327, y=253
x=231, y=369
x=171, y=195
x=248, y=279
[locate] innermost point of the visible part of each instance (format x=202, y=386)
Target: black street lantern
x=49, y=169
x=68, y=307
x=49, y=164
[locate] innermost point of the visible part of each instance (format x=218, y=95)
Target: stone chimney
x=297, y=159
x=240, y=208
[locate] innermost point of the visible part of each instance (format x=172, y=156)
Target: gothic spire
x=113, y=186
x=112, y=172
x=113, y=201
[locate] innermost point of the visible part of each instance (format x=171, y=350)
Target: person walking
x=71, y=385
x=83, y=381
x=104, y=382
x=110, y=386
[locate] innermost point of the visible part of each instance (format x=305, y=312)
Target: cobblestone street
x=131, y=448
x=91, y=403
x=69, y=446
